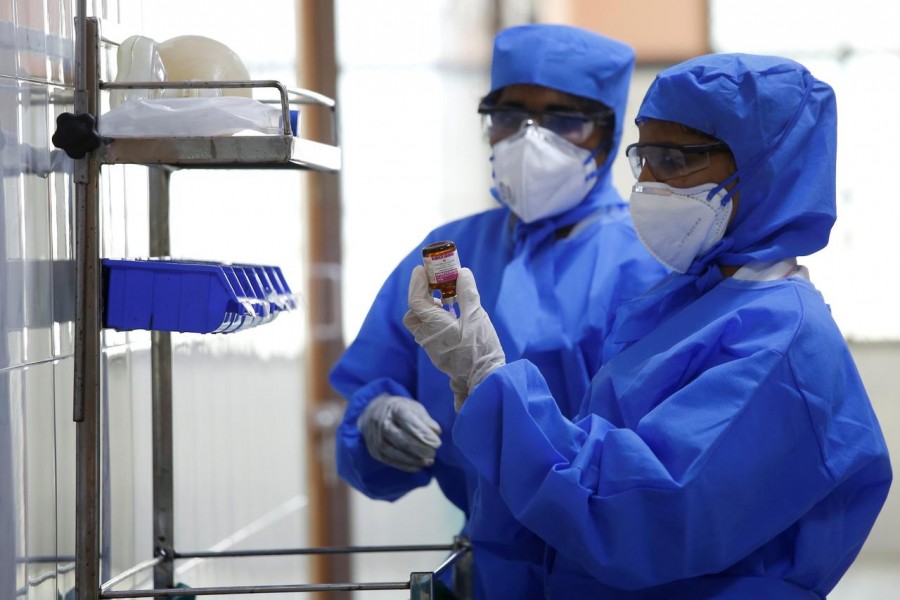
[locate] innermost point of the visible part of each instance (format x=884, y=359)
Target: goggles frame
x=582, y=124
x=637, y=159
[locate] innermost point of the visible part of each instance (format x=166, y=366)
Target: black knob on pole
x=76, y=134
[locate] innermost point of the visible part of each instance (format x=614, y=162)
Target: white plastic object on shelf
x=199, y=58
x=137, y=59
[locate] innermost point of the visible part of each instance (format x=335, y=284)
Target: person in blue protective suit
x=727, y=447
x=555, y=259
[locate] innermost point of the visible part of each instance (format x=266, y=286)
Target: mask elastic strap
x=596, y=172
x=723, y=185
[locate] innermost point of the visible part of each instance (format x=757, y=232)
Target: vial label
x=442, y=266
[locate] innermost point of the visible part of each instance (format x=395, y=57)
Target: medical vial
x=442, y=267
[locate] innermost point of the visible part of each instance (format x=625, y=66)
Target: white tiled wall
x=240, y=465
x=36, y=303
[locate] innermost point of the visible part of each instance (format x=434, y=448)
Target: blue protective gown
x=561, y=279
x=726, y=448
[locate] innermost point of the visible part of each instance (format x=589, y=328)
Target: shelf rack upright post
x=77, y=135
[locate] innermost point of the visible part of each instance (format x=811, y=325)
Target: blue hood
x=781, y=125
x=574, y=61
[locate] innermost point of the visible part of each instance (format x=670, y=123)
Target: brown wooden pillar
x=328, y=496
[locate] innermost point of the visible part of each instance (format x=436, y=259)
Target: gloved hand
x=399, y=432
x=465, y=348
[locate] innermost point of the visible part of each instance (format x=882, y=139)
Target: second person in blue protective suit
x=726, y=448
x=555, y=260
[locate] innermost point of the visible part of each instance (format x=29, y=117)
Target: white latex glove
x=399, y=432
x=465, y=348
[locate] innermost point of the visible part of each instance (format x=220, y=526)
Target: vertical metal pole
x=421, y=586
x=462, y=571
x=161, y=365
x=87, y=325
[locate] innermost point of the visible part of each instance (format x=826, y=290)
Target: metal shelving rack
x=163, y=155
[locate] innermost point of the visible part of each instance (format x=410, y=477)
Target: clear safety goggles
x=500, y=122
x=668, y=161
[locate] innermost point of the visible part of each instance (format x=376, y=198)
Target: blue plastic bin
x=192, y=296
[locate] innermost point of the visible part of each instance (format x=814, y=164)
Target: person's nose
x=646, y=174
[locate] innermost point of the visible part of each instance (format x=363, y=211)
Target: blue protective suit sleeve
x=382, y=359
x=680, y=493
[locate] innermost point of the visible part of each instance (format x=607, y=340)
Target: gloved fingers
x=401, y=439
x=425, y=317
x=416, y=421
x=376, y=411
x=467, y=295
x=422, y=302
x=416, y=410
x=426, y=327
x=420, y=291
x=399, y=459
x=419, y=296
x=414, y=324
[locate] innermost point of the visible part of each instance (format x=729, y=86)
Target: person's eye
x=672, y=161
x=508, y=118
x=563, y=122
x=696, y=161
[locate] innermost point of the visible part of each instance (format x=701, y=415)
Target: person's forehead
x=535, y=96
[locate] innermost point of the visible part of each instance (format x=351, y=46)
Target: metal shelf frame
x=163, y=155
x=266, y=151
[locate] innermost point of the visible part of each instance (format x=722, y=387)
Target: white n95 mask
x=539, y=174
x=677, y=225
